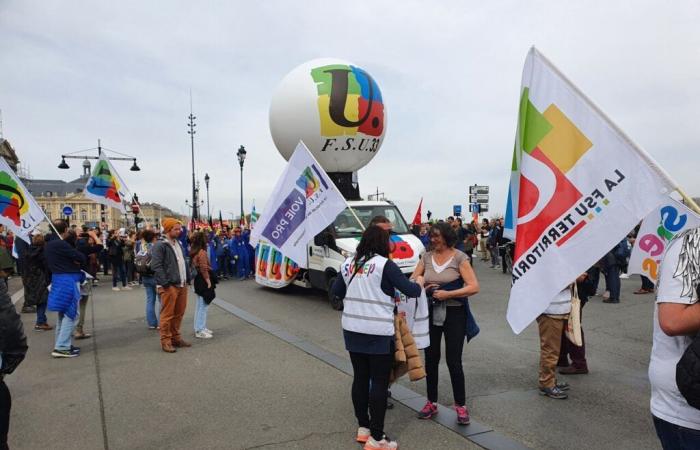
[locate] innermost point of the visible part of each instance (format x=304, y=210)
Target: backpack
x=688, y=372
x=622, y=251
x=142, y=261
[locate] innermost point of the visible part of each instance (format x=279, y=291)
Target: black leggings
x=453, y=328
x=376, y=368
x=5, y=405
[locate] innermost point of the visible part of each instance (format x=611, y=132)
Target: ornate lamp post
x=241, y=158
x=206, y=182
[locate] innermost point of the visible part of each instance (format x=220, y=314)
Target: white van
x=332, y=246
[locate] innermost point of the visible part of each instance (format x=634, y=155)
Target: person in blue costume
x=251, y=253
x=239, y=251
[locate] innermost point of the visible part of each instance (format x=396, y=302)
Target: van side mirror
x=321, y=239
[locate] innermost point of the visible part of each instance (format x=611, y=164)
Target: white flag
x=304, y=202
x=18, y=210
x=578, y=186
x=105, y=186
x=655, y=232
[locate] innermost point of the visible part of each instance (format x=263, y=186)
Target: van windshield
x=346, y=225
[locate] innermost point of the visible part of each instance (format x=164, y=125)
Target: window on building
x=83, y=215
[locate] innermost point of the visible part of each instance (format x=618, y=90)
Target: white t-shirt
x=667, y=403
x=561, y=303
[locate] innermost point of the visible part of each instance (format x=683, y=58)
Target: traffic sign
x=476, y=189
x=67, y=210
x=483, y=207
x=474, y=208
x=479, y=198
x=457, y=210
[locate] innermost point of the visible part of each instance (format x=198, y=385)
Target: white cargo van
x=332, y=246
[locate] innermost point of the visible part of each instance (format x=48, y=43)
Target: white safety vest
x=367, y=309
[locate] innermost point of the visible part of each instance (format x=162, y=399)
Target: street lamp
x=191, y=132
x=241, y=158
x=206, y=182
x=78, y=155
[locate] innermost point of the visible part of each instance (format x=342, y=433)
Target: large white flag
x=304, y=202
x=18, y=210
x=578, y=186
x=655, y=232
x=105, y=186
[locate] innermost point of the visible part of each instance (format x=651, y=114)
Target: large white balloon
x=335, y=107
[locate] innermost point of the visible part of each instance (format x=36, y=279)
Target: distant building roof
x=55, y=188
x=7, y=152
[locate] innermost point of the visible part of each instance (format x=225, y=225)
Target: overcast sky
x=75, y=71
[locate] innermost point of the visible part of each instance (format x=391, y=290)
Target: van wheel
x=335, y=302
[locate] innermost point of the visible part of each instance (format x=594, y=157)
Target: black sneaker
x=64, y=353
x=554, y=392
x=75, y=349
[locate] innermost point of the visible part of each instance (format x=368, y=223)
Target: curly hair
x=374, y=241
x=445, y=230
x=198, y=242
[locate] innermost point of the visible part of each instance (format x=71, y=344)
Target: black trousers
x=453, y=328
x=5, y=405
x=370, y=402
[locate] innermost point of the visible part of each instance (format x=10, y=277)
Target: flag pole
x=352, y=211
x=642, y=153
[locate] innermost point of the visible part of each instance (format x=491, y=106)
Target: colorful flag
x=304, y=202
x=18, y=210
x=655, y=233
x=105, y=186
x=417, y=218
x=578, y=186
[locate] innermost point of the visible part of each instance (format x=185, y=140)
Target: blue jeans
x=149, y=284
x=200, y=315
x=675, y=437
x=118, y=269
x=64, y=331
x=612, y=277
x=41, y=314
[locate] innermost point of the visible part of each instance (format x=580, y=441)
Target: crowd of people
x=59, y=269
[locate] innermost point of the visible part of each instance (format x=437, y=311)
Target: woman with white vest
x=367, y=283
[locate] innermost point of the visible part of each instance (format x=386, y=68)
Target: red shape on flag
x=565, y=196
x=417, y=217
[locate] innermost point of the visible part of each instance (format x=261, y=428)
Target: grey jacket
x=164, y=265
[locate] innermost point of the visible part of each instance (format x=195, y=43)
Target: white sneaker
x=606, y=295
x=208, y=331
x=624, y=276
x=115, y=289
x=363, y=435
x=127, y=288
x=384, y=444
x=202, y=335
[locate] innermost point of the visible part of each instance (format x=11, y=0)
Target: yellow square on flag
x=564, y=144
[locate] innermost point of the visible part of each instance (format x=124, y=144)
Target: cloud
x=449, y=72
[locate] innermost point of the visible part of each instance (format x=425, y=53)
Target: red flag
x=417, y=218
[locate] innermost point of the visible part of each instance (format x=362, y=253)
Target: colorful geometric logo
x=400, y=249
x=550, y=145
x=349, y=101
x=12, y=200
x=309, y=182
x=102, y=183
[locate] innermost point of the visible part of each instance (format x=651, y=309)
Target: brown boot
x=167, y=348
x=181, y=343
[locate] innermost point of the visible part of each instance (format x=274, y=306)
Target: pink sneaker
x=462, y=415
x=429, y=410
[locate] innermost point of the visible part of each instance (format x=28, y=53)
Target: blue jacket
x=62, y=257
x=472, y=329
x=65, y=293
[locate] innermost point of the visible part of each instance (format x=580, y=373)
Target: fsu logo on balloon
x=349, y=104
